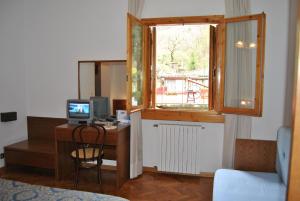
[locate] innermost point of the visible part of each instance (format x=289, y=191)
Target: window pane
x=240, y=64
x=182, y=66
x=137, y=65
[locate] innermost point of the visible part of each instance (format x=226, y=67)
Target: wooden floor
x=148, y=187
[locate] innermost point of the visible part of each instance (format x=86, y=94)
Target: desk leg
x=123, y=158
x=64, y=164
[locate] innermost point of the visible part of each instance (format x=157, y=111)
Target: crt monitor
x=79, y=111
x=101, y=107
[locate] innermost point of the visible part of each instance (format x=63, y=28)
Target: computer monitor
x=101, y=107
x=79, y=111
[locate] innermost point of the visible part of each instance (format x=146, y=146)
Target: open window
x=199, y=64
x=242, y=65
x=182, y=66
x=136, y=64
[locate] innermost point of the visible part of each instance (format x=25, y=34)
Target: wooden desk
x=116, y=147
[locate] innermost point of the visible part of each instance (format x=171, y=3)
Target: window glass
x=137, y=65
x=240, y=64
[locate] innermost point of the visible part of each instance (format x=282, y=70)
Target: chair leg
x=100, y=175
x=76, y=174
x=99, y=172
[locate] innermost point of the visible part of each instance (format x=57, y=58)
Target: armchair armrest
x=255, y=155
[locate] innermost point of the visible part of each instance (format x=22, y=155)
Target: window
x=242, y=69
x=196, y=64
x=182, y=66
x=136, y=64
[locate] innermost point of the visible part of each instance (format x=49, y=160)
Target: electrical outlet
x=1, y=155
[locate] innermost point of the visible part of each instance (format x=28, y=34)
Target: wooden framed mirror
x=105, y=78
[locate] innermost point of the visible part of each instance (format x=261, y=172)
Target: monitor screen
x=78, y=110
x=101, y=107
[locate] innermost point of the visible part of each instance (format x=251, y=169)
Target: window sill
x=183, y=115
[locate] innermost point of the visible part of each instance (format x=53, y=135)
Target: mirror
x=103, y=78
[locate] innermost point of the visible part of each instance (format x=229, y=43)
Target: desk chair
x=88, y=141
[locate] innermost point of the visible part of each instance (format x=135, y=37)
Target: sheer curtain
x=135, y=8
x=236, y=126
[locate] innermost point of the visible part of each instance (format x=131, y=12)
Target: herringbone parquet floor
x=148, y=187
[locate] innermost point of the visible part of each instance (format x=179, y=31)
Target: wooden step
x=36, y=153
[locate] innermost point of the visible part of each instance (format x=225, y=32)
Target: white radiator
x=179, y=146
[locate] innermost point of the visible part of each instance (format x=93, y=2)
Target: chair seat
x=88, y=153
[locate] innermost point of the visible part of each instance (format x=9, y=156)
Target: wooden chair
x=88, y=141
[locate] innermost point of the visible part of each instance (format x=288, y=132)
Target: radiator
x=179, y=148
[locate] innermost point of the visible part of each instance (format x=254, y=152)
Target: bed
x=18, y=191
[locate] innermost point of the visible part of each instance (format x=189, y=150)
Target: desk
x=116, y=147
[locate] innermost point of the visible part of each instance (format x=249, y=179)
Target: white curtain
x=135, y=8
x=136, y=145
x=237, y=126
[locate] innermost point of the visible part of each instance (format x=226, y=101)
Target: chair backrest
x=283, y=153
x=89, y=138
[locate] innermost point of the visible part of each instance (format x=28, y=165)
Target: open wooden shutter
x=137, y=40
x=216, y=68
x=242, y=65
x=212, y=67
x=152, y=66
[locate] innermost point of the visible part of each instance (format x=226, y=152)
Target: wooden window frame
x=177, y=113
x=261, y=27
x=130, y=21
x=217, y=68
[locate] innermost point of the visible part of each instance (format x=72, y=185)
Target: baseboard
x=113, y=168
x=202, y=174
x=150, y=169
x=207, y=174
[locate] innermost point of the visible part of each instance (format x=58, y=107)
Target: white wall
x=58, y=33
x=173, y=8
x=12, y=72
x=277, y=12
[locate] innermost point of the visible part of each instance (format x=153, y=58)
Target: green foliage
x=184, y=48
x=192, y=62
